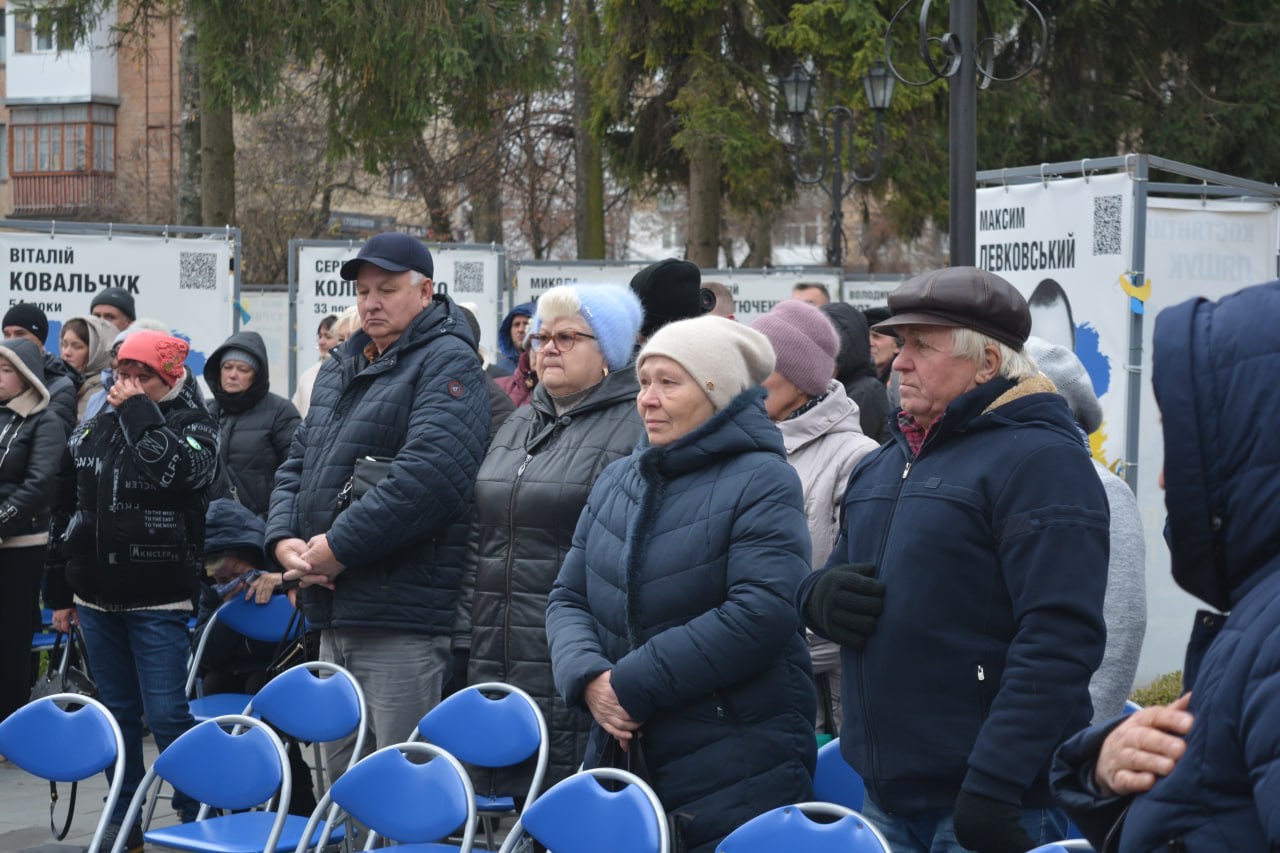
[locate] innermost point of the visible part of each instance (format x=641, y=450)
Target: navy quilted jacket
x=423, y=402
x=1215, y=371
x=680, y=579
x=992, y=544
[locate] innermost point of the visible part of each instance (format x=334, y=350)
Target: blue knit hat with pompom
x=612, y=311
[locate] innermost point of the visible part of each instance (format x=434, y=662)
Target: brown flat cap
x=967, y=297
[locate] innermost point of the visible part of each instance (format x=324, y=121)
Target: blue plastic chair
x=414, y=804
x=263, y=622
x=834, y=781
x=579, y=815
x=227, y=770
x=1130, y=706
x=792, y=828
x=311, y=708
x=67, y=737
x=490, y=733
x=1073, y=845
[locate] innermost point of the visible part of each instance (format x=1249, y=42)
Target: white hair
x=416, y=278
x=970, y=344
x=347, y=323
x=558, y=302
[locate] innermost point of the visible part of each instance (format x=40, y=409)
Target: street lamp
x=835, y=143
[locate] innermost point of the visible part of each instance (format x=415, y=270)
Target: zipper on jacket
x=506, y=575
x=983, y=705
x=862, y=666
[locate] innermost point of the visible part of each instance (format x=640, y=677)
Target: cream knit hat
x=723, y=356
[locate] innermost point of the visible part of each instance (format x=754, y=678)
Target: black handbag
x=66, y=677
x=367, y=472
x=633, y=761
x=297, y=644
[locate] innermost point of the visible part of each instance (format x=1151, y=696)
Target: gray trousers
x=401, y=674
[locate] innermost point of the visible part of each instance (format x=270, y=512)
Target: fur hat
x=160, y=352
x=116, y=297
x=669, y=290
x=1066, y=371
x=613, y=312
x=723, y=356
x=29, y=317
x=804, y=343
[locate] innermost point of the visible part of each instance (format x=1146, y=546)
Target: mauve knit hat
x=1066, y=371
x=162, y=353
x=613, y=312
x=804, y=343
x=723, y=356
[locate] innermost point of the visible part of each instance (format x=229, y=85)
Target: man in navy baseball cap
x=393, y=252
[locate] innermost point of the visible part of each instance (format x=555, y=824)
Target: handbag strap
x=71, y=810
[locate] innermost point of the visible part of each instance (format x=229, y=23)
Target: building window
x=4, y=149
x=400, y=181
x=27, y=40
x=64, y=139
x=4, y=42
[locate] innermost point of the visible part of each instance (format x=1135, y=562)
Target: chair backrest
x=401, y=800
x=67, y=737
x=834, y=781
x=580, y=815
x=1130, y=706
x=489, y=732
x=231, y=762
x=792, y=828
x=1072, y=845
x=311, y=708
x=266, y=623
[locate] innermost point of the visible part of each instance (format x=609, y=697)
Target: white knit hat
x=1066, y=371
x=723, y=356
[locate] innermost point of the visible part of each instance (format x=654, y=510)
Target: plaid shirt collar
x=915, y=434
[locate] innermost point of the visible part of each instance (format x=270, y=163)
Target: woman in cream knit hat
x=671, y=621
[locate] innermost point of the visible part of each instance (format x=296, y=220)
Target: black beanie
x=668, y=291
x=116, y=297
x=29, y=317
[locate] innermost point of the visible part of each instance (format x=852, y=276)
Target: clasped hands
x=1143, y=748
x=310, y=563
x=608, y=711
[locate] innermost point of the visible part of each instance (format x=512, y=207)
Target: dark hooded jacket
x=256, y=427
x=1215, y=369
x=992, y=545
x=680, y=580
x=128, y=518
x=508, y=355
x=529, y=494
x=31, y=443
x=857, y=372
x=422, y=404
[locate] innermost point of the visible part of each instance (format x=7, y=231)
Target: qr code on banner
x=197, y=271
x=468, y=277
x=1106, y=224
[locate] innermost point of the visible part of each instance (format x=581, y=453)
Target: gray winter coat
x=529, y=494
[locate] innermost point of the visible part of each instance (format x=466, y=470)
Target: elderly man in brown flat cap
x=966, y=587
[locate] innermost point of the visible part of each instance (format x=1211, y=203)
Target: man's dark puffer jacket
x=256, y=427
x=423, y=402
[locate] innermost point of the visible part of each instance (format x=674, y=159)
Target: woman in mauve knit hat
x=127, y=536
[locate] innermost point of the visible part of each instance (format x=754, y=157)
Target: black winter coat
x=857, y=372
x=423, y=403
x=128, y=521
x=680, y=581
x=256, y=428
x=63, y=382
x=530, y=490
x=31, y=443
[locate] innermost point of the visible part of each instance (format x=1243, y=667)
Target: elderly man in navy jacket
x=364, y=509
x=966, y=587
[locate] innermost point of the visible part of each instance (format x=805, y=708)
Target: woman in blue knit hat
x=530, y=489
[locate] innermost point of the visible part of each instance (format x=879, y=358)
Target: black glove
x=844, y=603
x=989, y=826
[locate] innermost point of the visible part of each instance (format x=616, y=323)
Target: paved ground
x=24, y=810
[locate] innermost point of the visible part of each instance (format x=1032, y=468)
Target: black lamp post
x=968, y=64
x=835, y=144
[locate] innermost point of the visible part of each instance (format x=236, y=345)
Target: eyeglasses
x=564, y=340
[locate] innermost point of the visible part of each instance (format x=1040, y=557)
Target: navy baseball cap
x=393, y=252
